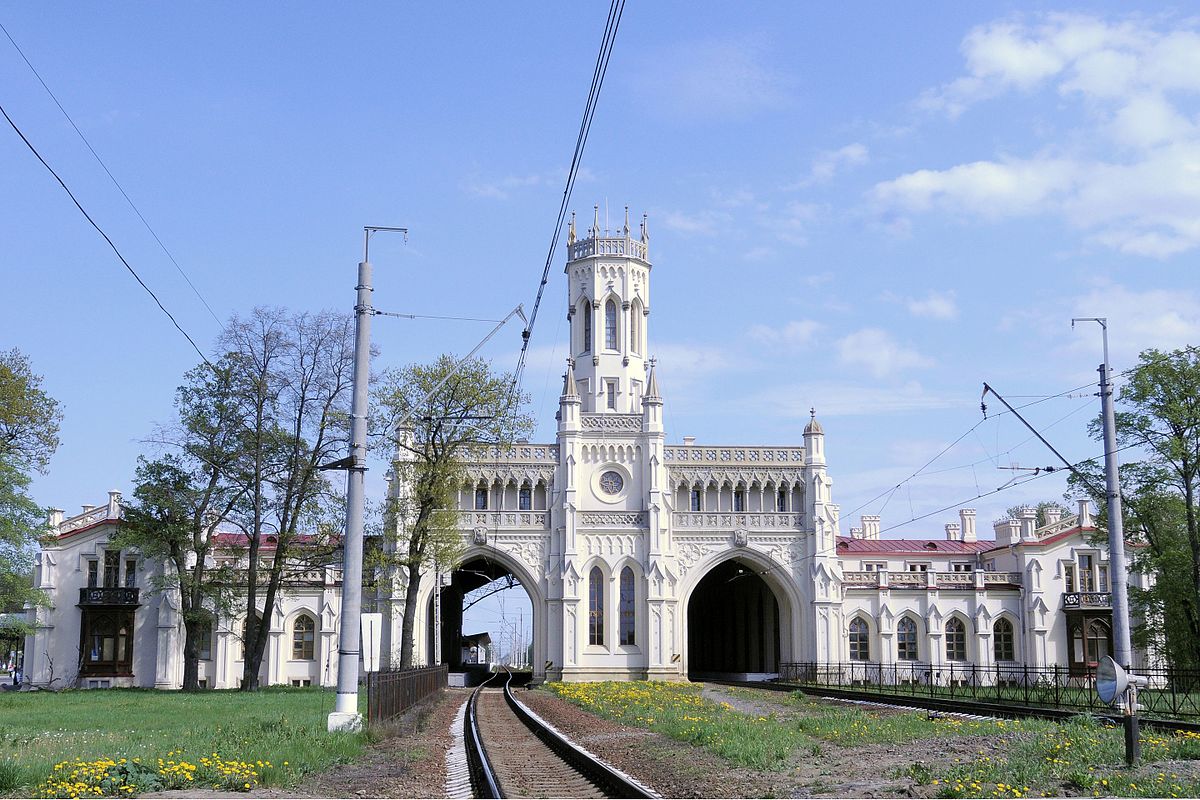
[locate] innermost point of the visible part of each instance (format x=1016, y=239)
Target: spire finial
x=812, y=412
x=645, y=233
x=627, y=221
x=596, y=221
x=571, y=230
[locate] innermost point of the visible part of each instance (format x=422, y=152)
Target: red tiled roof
x=847, y=545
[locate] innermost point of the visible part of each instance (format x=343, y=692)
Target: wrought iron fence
x=391, y=693
x=1171, y=694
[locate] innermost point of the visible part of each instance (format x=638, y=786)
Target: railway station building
x=649, y=559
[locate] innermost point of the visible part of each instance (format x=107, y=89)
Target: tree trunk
x=191, y=655
x=410, y=614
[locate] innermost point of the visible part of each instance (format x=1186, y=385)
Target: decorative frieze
x=684, y=454
x=708, y=520
x=493, y=520
x=613, y=519
x=630, y=423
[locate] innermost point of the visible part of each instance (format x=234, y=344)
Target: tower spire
x=571, y=230
x=569, y=387
x=627, y=220
x=652, y=392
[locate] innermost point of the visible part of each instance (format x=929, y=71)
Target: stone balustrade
x=724, y=455
x=607, y=246
x=502, y=520
x=882, y=579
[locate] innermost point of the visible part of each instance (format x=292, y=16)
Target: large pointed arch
x=759, y=656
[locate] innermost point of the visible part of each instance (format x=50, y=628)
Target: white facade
x=106, y=626
x=610, y=508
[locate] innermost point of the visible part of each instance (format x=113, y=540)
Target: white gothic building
x=645, y=558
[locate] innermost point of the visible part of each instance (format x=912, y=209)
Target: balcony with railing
x=505, y=520
x=607, y=246
x=94, y=596
x=1086, y=601
x=896, y=579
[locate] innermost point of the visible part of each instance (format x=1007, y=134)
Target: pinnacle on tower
x=569, y=387
x=571, y=230
x=652, y=392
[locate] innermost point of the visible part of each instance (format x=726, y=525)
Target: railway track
x=955, y=706
x=512, y=753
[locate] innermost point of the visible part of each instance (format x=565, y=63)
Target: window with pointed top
x=1002, y=639
x=627, y=636
x=697, y=500
x=635, y=328
x=304, y=638
x=860, y=640
x=587, y=327
x=525, y=499
x=596, y=607
x=481, y=499
x=610, y=325
x=956, y=640
x=906, y=640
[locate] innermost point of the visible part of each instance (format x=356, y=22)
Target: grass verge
x=79, y=743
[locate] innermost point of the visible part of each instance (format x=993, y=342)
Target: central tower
x=608, y=296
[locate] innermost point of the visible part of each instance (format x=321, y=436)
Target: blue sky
x=870, y=210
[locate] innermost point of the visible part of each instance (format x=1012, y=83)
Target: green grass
x=283, y=726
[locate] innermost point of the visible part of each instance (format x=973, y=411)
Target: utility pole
x=345, y=716
x=1118, y=577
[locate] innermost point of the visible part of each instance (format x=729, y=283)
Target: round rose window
x=611, y=482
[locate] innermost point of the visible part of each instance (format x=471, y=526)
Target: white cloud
x=1164, y=319
x=703, y=223
x=503, y=188
x=935, y=305
x=711, y=78
x=831, y=162
x=1128, y=176
x=877, y=352
x=797, y=333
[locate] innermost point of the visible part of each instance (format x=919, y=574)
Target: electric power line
x=99, y=230
x=615, y=10
x=111, y=177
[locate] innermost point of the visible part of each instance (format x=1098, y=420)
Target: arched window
x=204, y=640
x=635, y=328
x=739, y=500
x=610, y=325
x=697, y=500
x=304, y=631
x=860, y=640
x=781, y=500
x=906, y=640
x=956, y=640
x=596, y=607
x=525, y=499
x=1002, y=640
x=481, y=499
x=587, y=327
x=627, y=613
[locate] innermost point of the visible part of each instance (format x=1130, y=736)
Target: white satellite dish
x=1111, y=681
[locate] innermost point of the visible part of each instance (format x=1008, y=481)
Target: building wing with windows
x=107, y=624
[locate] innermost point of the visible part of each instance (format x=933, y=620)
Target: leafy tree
x=436, y=413
x=293, y=382
x=1158, y=420
x=182, y=498
x=29, y=420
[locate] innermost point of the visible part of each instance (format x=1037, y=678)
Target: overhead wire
x=100, y=230
x=111, y=177
x=612, y=24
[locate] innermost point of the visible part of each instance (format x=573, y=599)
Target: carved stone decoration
x=613, y=519
x=479, y=536
x=741, y=537
x=612, y=422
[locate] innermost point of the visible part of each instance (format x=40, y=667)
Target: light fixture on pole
x=345, y=716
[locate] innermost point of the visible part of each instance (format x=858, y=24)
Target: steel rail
x=483, y=776
x=608, y=780
x=1007, y=710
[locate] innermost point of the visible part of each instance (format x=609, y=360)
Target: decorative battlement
x=625, y=246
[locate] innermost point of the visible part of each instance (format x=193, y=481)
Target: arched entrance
x=497, y=636
x=733, y=625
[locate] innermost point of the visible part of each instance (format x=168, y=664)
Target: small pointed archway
x=733, y=628
x=477, y=577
